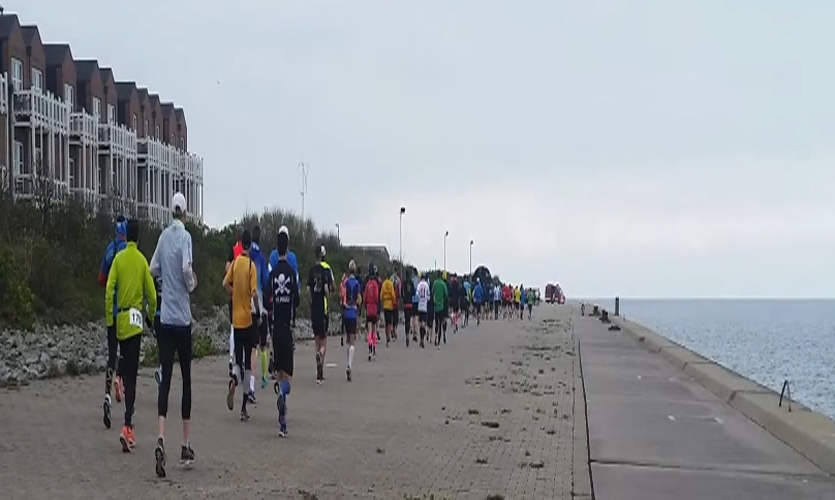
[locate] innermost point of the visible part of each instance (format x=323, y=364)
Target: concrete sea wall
x=808, y=432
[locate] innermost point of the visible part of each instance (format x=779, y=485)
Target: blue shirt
x=467, y=288
x=524, y=296
x=478, y=293
x=172, y=263
x=113, y=248
x=353, y=290
x=261, y=265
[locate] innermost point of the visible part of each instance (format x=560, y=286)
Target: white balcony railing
x=42, y=109
x=4, y=94
x=84, y=126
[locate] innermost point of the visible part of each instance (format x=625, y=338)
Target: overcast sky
x=642, y=148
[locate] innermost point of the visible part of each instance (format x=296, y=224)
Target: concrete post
x=617, y=306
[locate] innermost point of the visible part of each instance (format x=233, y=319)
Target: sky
x=635, y=148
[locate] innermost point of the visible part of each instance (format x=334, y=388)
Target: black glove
x=150, y=325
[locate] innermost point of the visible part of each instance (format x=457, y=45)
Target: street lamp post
x=471, y=259
x=338, y=239
x=446, y=234
x=402, y=213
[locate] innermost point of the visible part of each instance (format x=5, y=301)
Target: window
x=135, y=122
x=72, y=173
x=111, y=113
x=182, y=144
x=17, y=159
x=96, y=107
x=17, y=74
x=37, y=79
x=69, y=95
x=156, y=132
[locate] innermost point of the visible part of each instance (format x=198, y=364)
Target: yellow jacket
x=130, y=272
x=387, y=296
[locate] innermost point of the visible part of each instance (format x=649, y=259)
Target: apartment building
x=69, y=127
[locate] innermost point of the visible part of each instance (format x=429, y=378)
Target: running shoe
x=244, y=415
x=186, y=455
x=106, y=406
x=159, y=455
x=158, y=376
x=264, y=382
x=348, y=374
x=126, y=438
x=282, y=427
x=250, y=397
x=230, y=395
x=320, y=376
x=118, y=389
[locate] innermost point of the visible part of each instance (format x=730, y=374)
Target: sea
x=767, y=340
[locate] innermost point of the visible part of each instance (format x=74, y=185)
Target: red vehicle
x=553, y=294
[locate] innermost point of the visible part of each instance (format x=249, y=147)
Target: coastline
x=808, y=432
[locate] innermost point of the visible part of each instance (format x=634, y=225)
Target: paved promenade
x=491, y=413
x=657, y=434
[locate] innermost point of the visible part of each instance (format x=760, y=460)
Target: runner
x=261, y=267
x=241, y=281
x=441, y=305
x=158, y=328
x=291, y=259
x=468, y=296
x=423, y=295
x=454, y=290
x=172, y=263
x=236, y=250
x=415, y=313
x=116, y=246
x=497, y=300
x=351, y=301
x=409, y=307
x=285, y=300
x=522, y=300
x=478, y=300
x=398, y=304
x=530, y=299
x=342, y=308
x=388, y=296
x=517, y=299
x=320, y=283
x=507, y=300
x=130, y=273
x=371, y=298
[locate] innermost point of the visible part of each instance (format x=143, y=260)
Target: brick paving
x=491, y=413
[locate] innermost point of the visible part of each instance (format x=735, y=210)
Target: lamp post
x=402, y=213
x=471, y=260
x=338, y=239
x=446, y=234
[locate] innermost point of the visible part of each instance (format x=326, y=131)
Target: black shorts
x=477, y=307
x=371, y=320
x=395, y=317
x=389, y=317
x=263, y=330
x=530, y=305
x=283, y=350
x=454, y=307
x=350, y=326
x=422, y=316
x=320, y=326
x=440, y=316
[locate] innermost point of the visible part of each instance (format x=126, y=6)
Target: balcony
x=118, y=139
x=4, y=94
x=84, y=128
x=42, y=110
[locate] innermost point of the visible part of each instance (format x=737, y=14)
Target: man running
x=320, y=283
x=406, y=294
x=291, y=259
x=467, y=300
x=388, y=296
x=415, y=312
x=351, y=300
x=262, y=268
x=497, y=300
x=523, y=297
x=130, y=273
x=172, y=263
x=236, y=250
x=115, y=246
x=530, y=298
x=285, y=294
x=371, y=298
x=441, y=304
x=478, y=300
x=454, y=290
x=423, y=294
x=241, y=281
x=517, y=299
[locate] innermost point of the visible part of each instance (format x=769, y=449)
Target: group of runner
x=265, y=293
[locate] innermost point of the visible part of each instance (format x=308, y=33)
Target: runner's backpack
x=372, y=297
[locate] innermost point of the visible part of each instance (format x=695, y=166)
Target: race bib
x=135, y=317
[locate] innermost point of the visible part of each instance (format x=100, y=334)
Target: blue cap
x=122, y=228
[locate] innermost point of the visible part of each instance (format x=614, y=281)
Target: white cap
x=178, y=203
x=322, y=251
x=283, y=229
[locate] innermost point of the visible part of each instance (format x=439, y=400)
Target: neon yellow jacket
x=130, y=272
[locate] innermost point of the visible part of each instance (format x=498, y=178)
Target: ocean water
x=769, y=340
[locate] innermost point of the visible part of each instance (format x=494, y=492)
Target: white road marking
x=639, y=377
x=718, y=420
x=331, y=365
x=672, y=418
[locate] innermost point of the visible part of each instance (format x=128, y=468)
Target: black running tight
x=171, y=340
x=112, y=364
x=244, y=342
x=129, y=364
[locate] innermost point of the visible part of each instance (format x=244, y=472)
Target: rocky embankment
x=55, y=351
